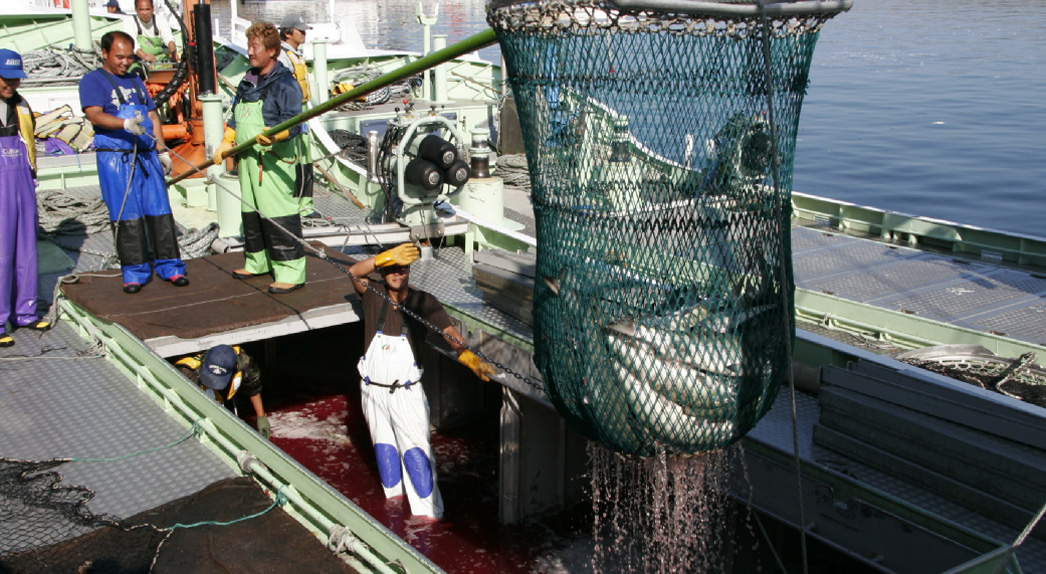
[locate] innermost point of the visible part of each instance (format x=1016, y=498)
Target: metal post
x=227, y=206
x=82, y=25
x=440, y=75
x=426, y=42
x=321, y=91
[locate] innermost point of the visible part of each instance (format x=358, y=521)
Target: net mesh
x=659, y=184
x=45, y=526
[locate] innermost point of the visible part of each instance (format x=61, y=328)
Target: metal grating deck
x=970, y=294
x=60, y=399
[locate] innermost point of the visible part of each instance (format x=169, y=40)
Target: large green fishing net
x=660, y=139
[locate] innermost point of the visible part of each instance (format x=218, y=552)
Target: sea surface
x=930, y=107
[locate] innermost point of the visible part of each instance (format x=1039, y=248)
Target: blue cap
x=218, y=366
x=11, y=65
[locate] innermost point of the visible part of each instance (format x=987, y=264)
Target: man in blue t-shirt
x=132, y=162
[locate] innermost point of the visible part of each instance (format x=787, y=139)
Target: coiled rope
x=54, y=63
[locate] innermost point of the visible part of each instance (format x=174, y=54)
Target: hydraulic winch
x=421, y=161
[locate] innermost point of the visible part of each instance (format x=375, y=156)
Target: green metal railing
x=466, y=46
x=315, y=505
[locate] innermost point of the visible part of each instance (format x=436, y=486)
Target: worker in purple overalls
x=18, y=218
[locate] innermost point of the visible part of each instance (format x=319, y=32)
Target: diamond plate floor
x=970, y=294
x=59, y=399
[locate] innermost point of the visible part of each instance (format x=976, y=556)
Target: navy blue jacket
x=280, y=92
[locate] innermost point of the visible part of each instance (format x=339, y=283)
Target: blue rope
x=195, y=430
x=281, y=499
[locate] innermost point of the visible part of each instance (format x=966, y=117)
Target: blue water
x=929, y=107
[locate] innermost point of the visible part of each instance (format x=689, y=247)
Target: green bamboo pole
x=471, y=44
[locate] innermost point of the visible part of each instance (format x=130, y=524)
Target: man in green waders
x=267, y=96
x=153, y=40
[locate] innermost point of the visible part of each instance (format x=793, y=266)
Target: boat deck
x=49, y=382
x=976, y=295
x=61, y=398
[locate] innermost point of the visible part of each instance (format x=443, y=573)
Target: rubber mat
x=214, y=301
x=271, y=542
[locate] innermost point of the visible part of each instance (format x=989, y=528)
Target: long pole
x=471, y=44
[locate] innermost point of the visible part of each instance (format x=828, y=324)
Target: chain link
x=323, y=256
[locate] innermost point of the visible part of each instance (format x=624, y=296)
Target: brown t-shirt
x=421, y=303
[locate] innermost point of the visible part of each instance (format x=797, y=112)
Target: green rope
x=280, y=500
x=194, y=431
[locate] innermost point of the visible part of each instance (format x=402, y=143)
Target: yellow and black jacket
x=245, y=382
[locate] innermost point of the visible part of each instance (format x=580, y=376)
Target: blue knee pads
x=388, y=464
x=420, y=470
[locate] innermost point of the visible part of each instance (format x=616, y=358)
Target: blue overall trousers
x=135, y=192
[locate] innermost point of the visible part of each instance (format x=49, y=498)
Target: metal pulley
x=422, y=162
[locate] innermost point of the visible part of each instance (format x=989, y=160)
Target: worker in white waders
x=393, y=399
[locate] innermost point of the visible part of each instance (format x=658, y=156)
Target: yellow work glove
x=481, y=369
x=224, y=147
x=403, y=254
x=266, y=141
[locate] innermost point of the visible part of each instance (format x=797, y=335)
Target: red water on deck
x=324, y=430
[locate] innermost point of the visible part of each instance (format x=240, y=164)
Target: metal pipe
x=773, y=7
x=439, y=78
x=82, y=26
x=471, y=44
x=426, y=42
x=321, y=92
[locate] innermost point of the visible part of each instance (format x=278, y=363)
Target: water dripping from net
x=662, y=514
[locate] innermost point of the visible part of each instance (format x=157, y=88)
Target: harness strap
x=138, y=24
x=119, y=94
x=392, y=388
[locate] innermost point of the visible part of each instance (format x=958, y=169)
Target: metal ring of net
x=663, y=307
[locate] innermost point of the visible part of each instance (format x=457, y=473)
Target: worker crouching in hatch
x=267, y=96
x=224, y=373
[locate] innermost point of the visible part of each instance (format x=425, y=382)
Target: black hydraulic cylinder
x=204, y=48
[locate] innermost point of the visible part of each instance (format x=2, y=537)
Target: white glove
x=165, y=161
x=134, y=125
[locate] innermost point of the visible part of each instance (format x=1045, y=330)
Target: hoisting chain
x=323, y=256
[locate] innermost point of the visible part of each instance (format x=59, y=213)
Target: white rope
x=1020, y=540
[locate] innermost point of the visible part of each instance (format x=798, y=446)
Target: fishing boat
x=870, y=453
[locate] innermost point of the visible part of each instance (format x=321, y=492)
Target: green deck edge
x=227, y=436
